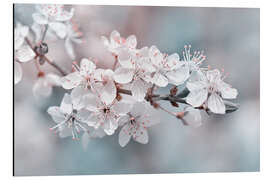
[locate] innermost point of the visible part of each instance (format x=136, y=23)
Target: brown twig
x=45, y=58
x=115, y=62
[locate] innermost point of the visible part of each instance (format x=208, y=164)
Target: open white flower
x=54, y=15
x=136, y=122
x=135, y=69
x=83, y=76
x=116, y=42
x=169, y=69
x=105, y=116
x=70, y=122
x=210, y=90
x=45, y=83
x=73, y=36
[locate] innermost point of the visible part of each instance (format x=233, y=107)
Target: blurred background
x=231, y=143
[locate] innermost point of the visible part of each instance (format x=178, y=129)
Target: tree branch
x=45, y=58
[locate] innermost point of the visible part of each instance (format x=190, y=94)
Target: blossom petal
x=115, y=38
x=71, y=80
x=64, y=15
x=178, y=76
x=108, y=127
x=65, y=131
x=173, y=61
x=150, y=117
x=121, y=108
x=66, y=104
x=59, y=28
x=17, y=72
x=24, y=53
x=160, y=80
x=141, y=136
x=227, y=92
x=53, y=79
x=78, y=97
x=213, y=75
x=108, y=92
x=197, y=98
x=39, y=18
x=195, y=85
x=139, y=89
x=124, y=136
x=123, y=120
x=91, y=102
x=216, y=104
x=125, y=59
x=56, y=114
x=131, y=42
x=193, y=117
x=123, y=75
x=87, y=66
x=93, y=121
x=156, y=56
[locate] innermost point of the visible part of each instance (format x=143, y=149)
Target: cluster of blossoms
x=103, y=100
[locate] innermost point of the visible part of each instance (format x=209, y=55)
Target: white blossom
x=135, y=69
x=116, y=42
x=70, y=122
x=104, y=115
x=169, y=69
x=83, y=76
x=43, y=86
x=53, y=15
x=193, y=61
x=136, y=123
x=210, y=90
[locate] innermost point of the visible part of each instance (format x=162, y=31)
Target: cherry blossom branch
x=45, y=58
x=230, y=106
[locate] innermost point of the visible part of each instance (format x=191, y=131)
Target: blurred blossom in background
x=229, y=143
